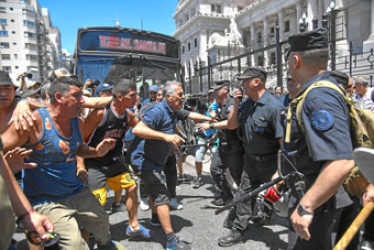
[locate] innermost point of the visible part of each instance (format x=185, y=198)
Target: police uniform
x=260, y=129
x=230, y=148
x=327, y=138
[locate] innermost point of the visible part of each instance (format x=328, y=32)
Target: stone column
x=369, y=43
x=312, y=13
x=253, y=35
x=298, y=15
x=265, y=41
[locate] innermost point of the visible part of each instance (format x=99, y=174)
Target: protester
x=158, y=129
x=53, y=187
x=112, y=122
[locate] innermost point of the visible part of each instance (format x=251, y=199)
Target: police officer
x=258, y=120
x=230, y=148
x=324, y=152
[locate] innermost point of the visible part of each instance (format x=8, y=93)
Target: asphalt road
x=195, y=223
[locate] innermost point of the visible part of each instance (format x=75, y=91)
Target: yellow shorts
x=116, y=183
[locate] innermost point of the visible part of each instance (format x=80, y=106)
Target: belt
x=263, y=158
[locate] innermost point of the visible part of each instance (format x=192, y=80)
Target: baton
x=248, y=196
x=355, y=226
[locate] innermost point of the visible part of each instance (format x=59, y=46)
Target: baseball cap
x=153, y=88
x=253, y=72
x=5, y=79
x=62, y=72
x=103, y=87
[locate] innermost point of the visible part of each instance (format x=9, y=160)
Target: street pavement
x=195, y=223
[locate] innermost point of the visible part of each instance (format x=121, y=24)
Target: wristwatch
x=301, y=210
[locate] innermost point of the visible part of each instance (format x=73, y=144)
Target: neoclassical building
x=219, y=30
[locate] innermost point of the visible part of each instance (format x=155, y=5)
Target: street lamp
x=303, y=22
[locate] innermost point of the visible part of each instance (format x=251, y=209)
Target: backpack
x=361, y=130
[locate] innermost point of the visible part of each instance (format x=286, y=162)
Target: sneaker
x=183, y=178
x=154, y=222
x=175, y=205
x=367, y=245
x=198, y=182
x=112, y=245
x=177, y=244
x=142, y=232
x=144, y=204
x=116, y=207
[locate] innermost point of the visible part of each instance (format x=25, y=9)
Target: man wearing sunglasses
x=158, y=128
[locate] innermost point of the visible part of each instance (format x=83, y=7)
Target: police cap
x=220, y=84
x=340, y=77
x=253, y=72
x=315, y=39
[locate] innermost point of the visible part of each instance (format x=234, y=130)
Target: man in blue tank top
x=53, y=187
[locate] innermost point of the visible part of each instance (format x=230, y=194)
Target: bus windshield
x=108, y=54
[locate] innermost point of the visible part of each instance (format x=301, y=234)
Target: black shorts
x=155, y=187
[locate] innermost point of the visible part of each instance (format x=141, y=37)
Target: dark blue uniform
x=327, y=137
x=230, y=148
x=260, y=128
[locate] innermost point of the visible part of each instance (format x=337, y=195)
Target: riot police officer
x=323, y=151
x=230, y=148
x=258, y=120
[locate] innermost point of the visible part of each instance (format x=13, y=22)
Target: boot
x=230, y=239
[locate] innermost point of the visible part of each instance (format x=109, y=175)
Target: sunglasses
x=180, y=94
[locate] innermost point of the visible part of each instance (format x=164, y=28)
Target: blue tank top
x=55, y=176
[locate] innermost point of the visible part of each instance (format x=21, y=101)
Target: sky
x=70, y=15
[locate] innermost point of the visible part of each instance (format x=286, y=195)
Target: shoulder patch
x=322, y=120
x=229, y=108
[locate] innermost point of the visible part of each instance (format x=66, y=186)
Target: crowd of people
x=71, y=141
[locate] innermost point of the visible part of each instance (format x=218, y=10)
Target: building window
x=16, y=67
x=260, y=61
x=15, y=56
x=2, y=10
x=259, y=38
x=28, y=23
x=5, y=57
x=272, y=30
x=12, y=20
x=11, y=8
x=272, y=58
x=30, y=46
x=4, y=45
x=195, y=42
x=287, y=26
x=3, y=21
x=7, y=69
x=32, y=57
x=189, y=46
x=183, y=49
x=3, y=33
x=29, y=34
x=13, y=32
x=215, y=8
x=240, y=8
